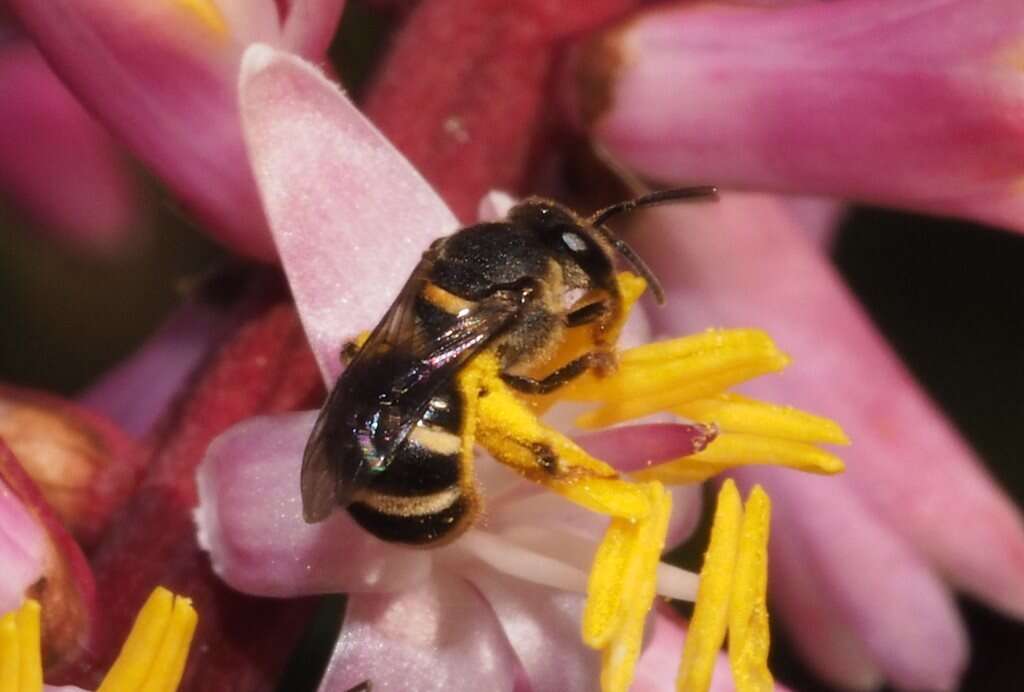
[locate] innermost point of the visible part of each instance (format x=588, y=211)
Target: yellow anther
x=10, y=654
x=154, y=654
x=659, y=383
x=21, y=669
x=603, y=612
x=208, y=15
x=734, y=449
x=748, y=610
x=711, y=612
x=639, y=584
x=741, y=414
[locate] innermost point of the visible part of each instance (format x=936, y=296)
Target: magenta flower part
x=22, y=549
x=56, y=162
x=918, y=502
x=330, y=183
x=137, y=391
x=41, y=549
x=914, y=104
x=161, y=76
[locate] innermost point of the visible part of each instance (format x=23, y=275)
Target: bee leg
x=364, y=686
x=598, y=360
x=587, y=314
x=546, y=457
x=348, y=352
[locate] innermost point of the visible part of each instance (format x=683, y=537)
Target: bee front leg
x=601, y=361
x=588, y=314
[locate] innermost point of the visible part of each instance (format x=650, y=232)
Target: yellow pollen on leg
x=153, y=656
x=506, y=426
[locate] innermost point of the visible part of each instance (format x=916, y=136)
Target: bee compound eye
x=574, y=241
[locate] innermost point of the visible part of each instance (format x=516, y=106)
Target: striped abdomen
x=423, y=497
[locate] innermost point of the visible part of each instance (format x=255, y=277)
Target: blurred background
x=947, y=295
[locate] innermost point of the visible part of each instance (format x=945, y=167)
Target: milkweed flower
x=329, y=182
x=152, y=658
x=161, y=76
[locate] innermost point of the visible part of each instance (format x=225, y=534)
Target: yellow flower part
x=689, y=377
x=732, y=597
x=207, y=14
x=151, y=660
x=21, y=668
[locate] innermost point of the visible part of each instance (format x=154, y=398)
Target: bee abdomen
x=423, y=496
x=416, y=520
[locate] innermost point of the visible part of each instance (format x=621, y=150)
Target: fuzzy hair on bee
x=391, y=444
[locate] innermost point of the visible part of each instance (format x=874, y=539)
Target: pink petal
x=635, y=447
x=22, y=550
x=66, y=589
x=874, y=582
x=913, y=104
x=543, y=627
x=904, y=459
x=827, y=639
x=437, y=637
x=164, y=82
x=310, y=25
x=250, y=520
x=906, y=463
x=56, y=161
x=339, y=197
x=139, y=389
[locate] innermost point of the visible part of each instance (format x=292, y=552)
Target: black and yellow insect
x=388, y=444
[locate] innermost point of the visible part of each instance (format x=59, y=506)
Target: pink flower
x=504, y=597
x=162, y=75
x=914, y=104
x=329, y=182
x=56, y=162
x=862, y=100
x=41, y=560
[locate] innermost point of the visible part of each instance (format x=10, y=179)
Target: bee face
x=392, y=444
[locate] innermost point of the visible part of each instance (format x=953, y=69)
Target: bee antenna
x=660, y=197
x=634, y=259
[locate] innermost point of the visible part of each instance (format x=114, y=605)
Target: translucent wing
x=386, y=389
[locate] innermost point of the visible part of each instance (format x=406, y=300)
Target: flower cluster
x=180, y=466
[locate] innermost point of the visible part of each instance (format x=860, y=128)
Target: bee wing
x=386, y=390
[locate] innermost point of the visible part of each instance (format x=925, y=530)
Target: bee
x=387, y=445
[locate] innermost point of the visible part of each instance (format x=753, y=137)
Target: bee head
x=587, y=245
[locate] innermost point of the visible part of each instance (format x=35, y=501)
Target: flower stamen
x=689, y=377
x=732, y=596
x=153, y=656
x=21, y=668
